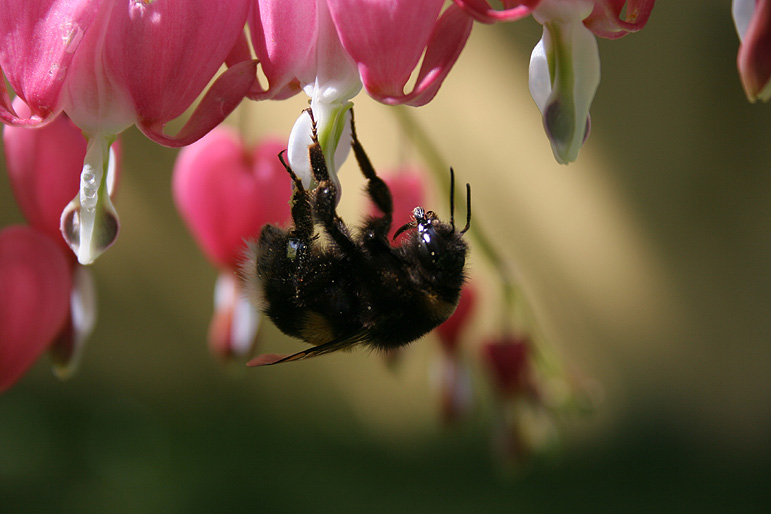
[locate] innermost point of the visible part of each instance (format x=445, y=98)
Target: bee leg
x=325, y=195
x=376, y=188
x=302, y=215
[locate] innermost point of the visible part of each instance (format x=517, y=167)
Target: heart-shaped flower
x=226, y=192
x=35, y=284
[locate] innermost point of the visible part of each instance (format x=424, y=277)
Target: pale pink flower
x=226, y=192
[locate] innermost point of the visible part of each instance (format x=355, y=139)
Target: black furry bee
x=355, y=288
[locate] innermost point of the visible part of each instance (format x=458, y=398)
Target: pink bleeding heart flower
x=226, y=192
x=111, y=64
x=35, y=284
x=330, y=49
x=524, y=424
x=753, y=24
x=508, y=362
x=450, y=331
x=453, y=376
x=44, y=166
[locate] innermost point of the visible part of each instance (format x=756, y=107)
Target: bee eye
x=430, y=241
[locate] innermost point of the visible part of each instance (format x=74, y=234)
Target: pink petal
x=233, y=328
x=386, y=61
x=226, y=193
x=605, y=20
x=450, y=331
x=165, y=53
x=38, y=40
x=219, y=101
x=44, y=167
x=508, y=360
x=35, y=285
x=284, y=38
x=147, y=62
x=754, y=57
x=481, y=10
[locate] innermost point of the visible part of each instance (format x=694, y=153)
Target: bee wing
x=332, y=346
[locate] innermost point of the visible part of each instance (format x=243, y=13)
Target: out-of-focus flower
x=565, y=64
x=753, y=23
x=226, y=193
x=110, y=65
x=524, y=424
x=331, y=48
x=35, y=284
x=452, y=372
x=43, y=166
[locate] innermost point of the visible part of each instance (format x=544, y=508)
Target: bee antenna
x=468, y=209
x=452, y=198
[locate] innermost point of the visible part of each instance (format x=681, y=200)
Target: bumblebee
x=353, y=288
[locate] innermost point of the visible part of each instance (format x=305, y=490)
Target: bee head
x=436, y=240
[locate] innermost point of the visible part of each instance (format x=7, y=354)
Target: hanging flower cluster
x=111, y=64
x=82, y=71
x=330, y=49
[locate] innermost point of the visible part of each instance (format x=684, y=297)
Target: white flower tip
x=90, y=232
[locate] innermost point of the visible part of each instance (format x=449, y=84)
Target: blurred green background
x=646, y=263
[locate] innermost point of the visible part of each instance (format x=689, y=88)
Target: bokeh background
x=646, y=264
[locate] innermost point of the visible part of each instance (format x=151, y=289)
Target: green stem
x=439, y=168
x=550, y=361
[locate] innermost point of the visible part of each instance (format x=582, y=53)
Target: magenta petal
x=284, y=39
x=482, y=12
x=450, y=331
x=754, y=57
x=605, y=20
x=44, y=168
x=35, y=285
x=226, y=193
x=38, y=40
x=385, y=74
x=165, y=53
x=219, y=101
x=367, y=34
